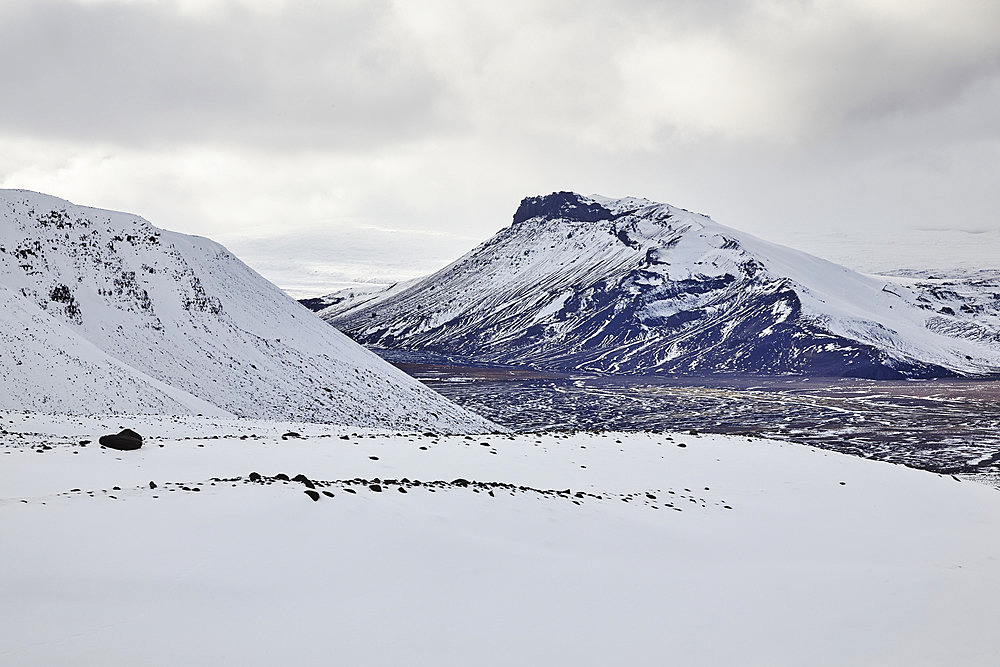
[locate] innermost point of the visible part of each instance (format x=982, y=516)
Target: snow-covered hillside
x=632, y=286
x=350, y=298
x=102, y=312
x=543, y=549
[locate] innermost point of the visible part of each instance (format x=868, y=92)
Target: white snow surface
x=776, y=554
x=347, y=299
x=102, y=312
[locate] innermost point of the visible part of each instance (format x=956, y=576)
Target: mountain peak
x=565, y=205
x=653, y=289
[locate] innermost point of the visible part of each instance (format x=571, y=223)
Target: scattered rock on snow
x=126, y=440
x=302, y=479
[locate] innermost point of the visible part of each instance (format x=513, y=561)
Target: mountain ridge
x=632, y=286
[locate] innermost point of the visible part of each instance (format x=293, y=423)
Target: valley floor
x=949, y=426
x=527, y=549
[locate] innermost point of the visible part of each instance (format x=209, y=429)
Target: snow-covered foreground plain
x=625, y=549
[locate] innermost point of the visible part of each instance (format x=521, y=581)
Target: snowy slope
x=632, y=286
x=104, y=312
x=582, y=549
x=348, y=299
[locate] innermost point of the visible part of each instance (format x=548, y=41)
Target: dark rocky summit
x=564, y=205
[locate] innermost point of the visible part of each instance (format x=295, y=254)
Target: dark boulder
x=302, y=479
x=126, y=440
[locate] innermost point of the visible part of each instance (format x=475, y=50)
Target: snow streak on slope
x=351, y=298
x=632, y=286
x=544, y=549
x=104, y=312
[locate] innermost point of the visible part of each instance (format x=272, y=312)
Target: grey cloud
x=324, y=117
x=363, y=75
x=316, y=75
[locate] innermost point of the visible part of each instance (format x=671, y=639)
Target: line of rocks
x=377, y=485
x=316, y=489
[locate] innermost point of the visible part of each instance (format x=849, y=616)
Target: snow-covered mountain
x=633, y=286
x=102, y=312
x=349, y=298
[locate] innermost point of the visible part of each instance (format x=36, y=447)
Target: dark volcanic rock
x=126, y=440
x=564, y=205
x=312, y=494
x=303, y=480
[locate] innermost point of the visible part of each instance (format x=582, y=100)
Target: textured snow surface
x=632, y=286
x=621, y=549
x=102, y=312
x=346, y=300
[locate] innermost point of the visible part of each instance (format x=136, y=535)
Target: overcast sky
x=334, y=141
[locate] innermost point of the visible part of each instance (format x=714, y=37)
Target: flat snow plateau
x=585, y=549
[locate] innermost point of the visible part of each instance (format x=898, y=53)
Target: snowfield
x=585, y=549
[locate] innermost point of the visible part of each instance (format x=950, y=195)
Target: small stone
x=254, y=477
x=312, y=494
x=152, y=485
x=375, y=487
x=282, y=476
